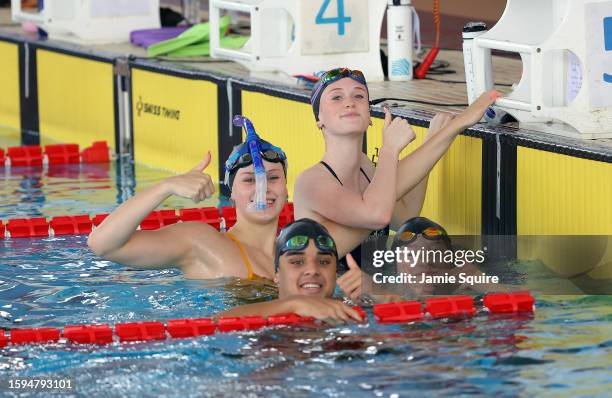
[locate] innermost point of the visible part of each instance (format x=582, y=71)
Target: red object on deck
x=3, y=339
x=229, y=215
x=36, y=335
x=228, y=324
x=158, y=219
x=500, y=303
x=25, y=156
x=63, y=153
x=421, y=71
x=71, y=225
x=450, y=306
x=89, y=334
x=208, y=215
x=28, y=227
x=179, y=328
x=98, y=218
x=1, y=230
x=140, y=331
x=288, y=319
x=97, y=153
x=403, y=311
x=2, y=158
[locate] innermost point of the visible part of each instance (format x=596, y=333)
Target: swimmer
x=345, y=191
x=420, y=234
x=199, y=250
x=305, y=261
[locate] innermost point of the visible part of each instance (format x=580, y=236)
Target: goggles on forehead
x=334, y=75
x=300, y=242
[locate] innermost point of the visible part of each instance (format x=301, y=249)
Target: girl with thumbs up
x=199, y=250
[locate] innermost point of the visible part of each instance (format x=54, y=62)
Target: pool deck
x=506, y=71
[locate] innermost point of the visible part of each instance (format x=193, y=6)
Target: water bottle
x=399, y=39
x=191, y=11
x=470, y=31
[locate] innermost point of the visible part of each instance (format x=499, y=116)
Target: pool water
x=564, y=349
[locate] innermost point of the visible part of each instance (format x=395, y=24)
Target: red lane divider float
x=25, y=156
x=445, y=307
x=28, y=227
x=180, y=328
x=89, y=334
x=400, y=312
x=83, y=224
x=158, y=219
x=405, y=311
x=501, y=303
x=33, y=155
x=71, y=225
x=36, y=335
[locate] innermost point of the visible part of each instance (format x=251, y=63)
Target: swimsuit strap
x=328, y=167
x=243, y=252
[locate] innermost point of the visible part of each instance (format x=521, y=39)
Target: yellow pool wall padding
x=75, y=99
x=162, y=140
x=564, y=195
x=294, y=130
x=10, y=111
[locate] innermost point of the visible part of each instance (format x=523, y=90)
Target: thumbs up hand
x=195, y=184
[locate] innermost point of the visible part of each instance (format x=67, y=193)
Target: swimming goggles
x=300, y=242
x=430, y=233
x=242, y=157
x=334, y=75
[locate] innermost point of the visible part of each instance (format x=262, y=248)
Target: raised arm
x=416, y=166
x=372, y=209
x=118, y=240
x=411, y=204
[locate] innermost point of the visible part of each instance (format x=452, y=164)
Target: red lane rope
x=83, y=224
x=400, y=312
x=34, y=155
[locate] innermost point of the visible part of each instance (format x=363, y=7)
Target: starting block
x=93, y=21
x=305, y=37
x=566, y=49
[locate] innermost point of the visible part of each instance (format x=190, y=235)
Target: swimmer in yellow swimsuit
x=199, y=250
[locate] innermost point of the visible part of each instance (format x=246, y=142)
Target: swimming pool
x=564, y=349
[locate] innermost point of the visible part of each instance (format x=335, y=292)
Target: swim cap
x=241, y=157
x=330, y=77
x=296, y=237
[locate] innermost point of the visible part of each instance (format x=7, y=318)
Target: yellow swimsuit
x=252, y=275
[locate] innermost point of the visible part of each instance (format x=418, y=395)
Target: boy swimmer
x=305, y=260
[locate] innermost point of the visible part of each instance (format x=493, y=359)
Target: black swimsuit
x=356, y=253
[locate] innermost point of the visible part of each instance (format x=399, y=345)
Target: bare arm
x=317, y=307
x=416, y=166
x=117, y=239
x=374, y=207
x=411, y=204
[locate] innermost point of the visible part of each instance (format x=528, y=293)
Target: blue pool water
x=564, y=349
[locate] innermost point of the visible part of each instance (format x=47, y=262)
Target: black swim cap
x=304, y=227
